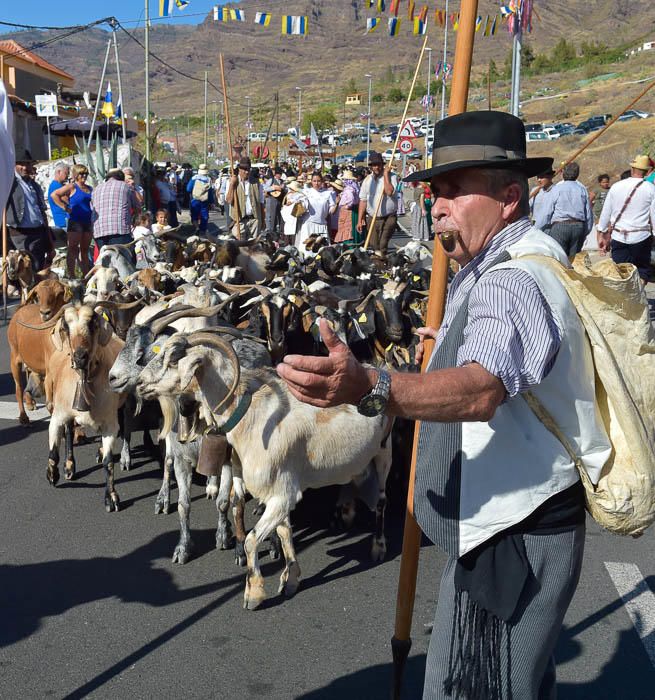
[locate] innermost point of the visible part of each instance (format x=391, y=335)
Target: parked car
x=387, y=154
x=374, y=129
x=633, y=114
x=387, y=138
x=551, y=132
x=346, y=158
x=566, y=130
x=414, y=154
x=531, y=136
x=533, y=127
x=360, y=157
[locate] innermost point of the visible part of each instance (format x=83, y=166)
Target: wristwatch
x=374, y=402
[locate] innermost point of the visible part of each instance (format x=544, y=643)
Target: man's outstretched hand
x=327, y=381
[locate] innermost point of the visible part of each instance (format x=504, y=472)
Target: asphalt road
x=91, y=605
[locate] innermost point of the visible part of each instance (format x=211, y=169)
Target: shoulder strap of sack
x=627, y=201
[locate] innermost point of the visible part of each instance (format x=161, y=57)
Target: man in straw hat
x=246, y=202
x=380, y=184
x=494, y=489
x=628, y=217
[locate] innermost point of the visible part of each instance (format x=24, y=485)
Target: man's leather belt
x=568, y=221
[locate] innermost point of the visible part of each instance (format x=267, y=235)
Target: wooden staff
x=395, y=145
x=235, y=199
x=5, y=245
x=612, y=121
x=401, y=641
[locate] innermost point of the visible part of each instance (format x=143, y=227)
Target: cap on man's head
x=485, y=139
x=548, y=172
x=375, y=158
x=641, y=163
x=244, y=163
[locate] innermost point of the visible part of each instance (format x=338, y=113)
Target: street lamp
x=248, y=126
x=299, y=110
x=368, y=117
x=427, y=106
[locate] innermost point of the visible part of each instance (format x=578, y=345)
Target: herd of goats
x=185, y=344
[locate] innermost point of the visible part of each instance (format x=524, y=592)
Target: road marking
x=638, y=599
x=9, y=411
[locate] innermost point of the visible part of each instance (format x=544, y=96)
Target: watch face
x=372, y=405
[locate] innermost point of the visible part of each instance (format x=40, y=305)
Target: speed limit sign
x=405, y=145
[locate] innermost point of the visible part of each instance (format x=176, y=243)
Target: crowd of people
x=291, y=202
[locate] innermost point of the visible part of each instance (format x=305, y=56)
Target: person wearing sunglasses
x=75, y=198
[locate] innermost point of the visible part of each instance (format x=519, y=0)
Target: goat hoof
x=290, y=579
x=223, y=538
x=126, y=465
x=378, y=550
x=254, y=595
x=112, y=503
x=182, y=553
x=28, y=400
x=239, y=554
x=98, y=455
x=275, y=549
x=162, y=505
x=69, y=469
x=23, y=419
x=52, y=473
x=79, y=438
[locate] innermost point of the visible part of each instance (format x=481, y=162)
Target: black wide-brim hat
x=480, y=140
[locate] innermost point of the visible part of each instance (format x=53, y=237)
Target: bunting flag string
x=372, y=23
x=394, y=26
x=517, y=15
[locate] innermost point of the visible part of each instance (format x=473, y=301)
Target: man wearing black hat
x=274, y=194
x=245, y=199
x=27, y=219
x=494, y=488
x=380, y=184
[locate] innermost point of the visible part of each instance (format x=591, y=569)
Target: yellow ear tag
x=104, y=315
x=388, y=347
x=318, y=257
x=362, y=318
x=416, y=278
x=156, y=349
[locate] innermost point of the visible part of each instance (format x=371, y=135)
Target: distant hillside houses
x=648, y=45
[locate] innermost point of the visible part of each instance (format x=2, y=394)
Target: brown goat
x=78, y=392
x=149, y=278
x=50, y=295
x=29, y=348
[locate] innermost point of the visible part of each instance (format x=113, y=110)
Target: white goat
x=281, y=446
x=100, y=283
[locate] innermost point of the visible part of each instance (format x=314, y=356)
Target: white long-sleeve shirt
x=638, y=220
x=7, y=155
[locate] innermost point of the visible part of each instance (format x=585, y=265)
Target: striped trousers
x=555, y=562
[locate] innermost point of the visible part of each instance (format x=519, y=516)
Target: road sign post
x=46, y=106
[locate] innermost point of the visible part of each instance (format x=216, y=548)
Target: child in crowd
x=161, y=221
x=143, y=226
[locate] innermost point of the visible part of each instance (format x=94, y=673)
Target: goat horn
x=243, y=288
x=121, y=305
x=91, y=272
x=48, y=324
x=193, y=312
x=215, y=341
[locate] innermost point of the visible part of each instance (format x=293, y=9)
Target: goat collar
x=232, y=422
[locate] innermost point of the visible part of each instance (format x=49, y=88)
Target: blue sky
x=43, y=13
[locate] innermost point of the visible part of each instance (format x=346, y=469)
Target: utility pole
x=368, y=116
x=248, y=126
x=489, y=87
x=120, y=83
x=102, y=80
x=299, y=110
x=177, y=140
x=277, y=128
x=146, y=184
x=427, y=105
x=204, y=155
x=516, y=70
x=443, y=65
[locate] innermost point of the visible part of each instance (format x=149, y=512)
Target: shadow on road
x=32, y=592
x=373, y=682
x=15, y=433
